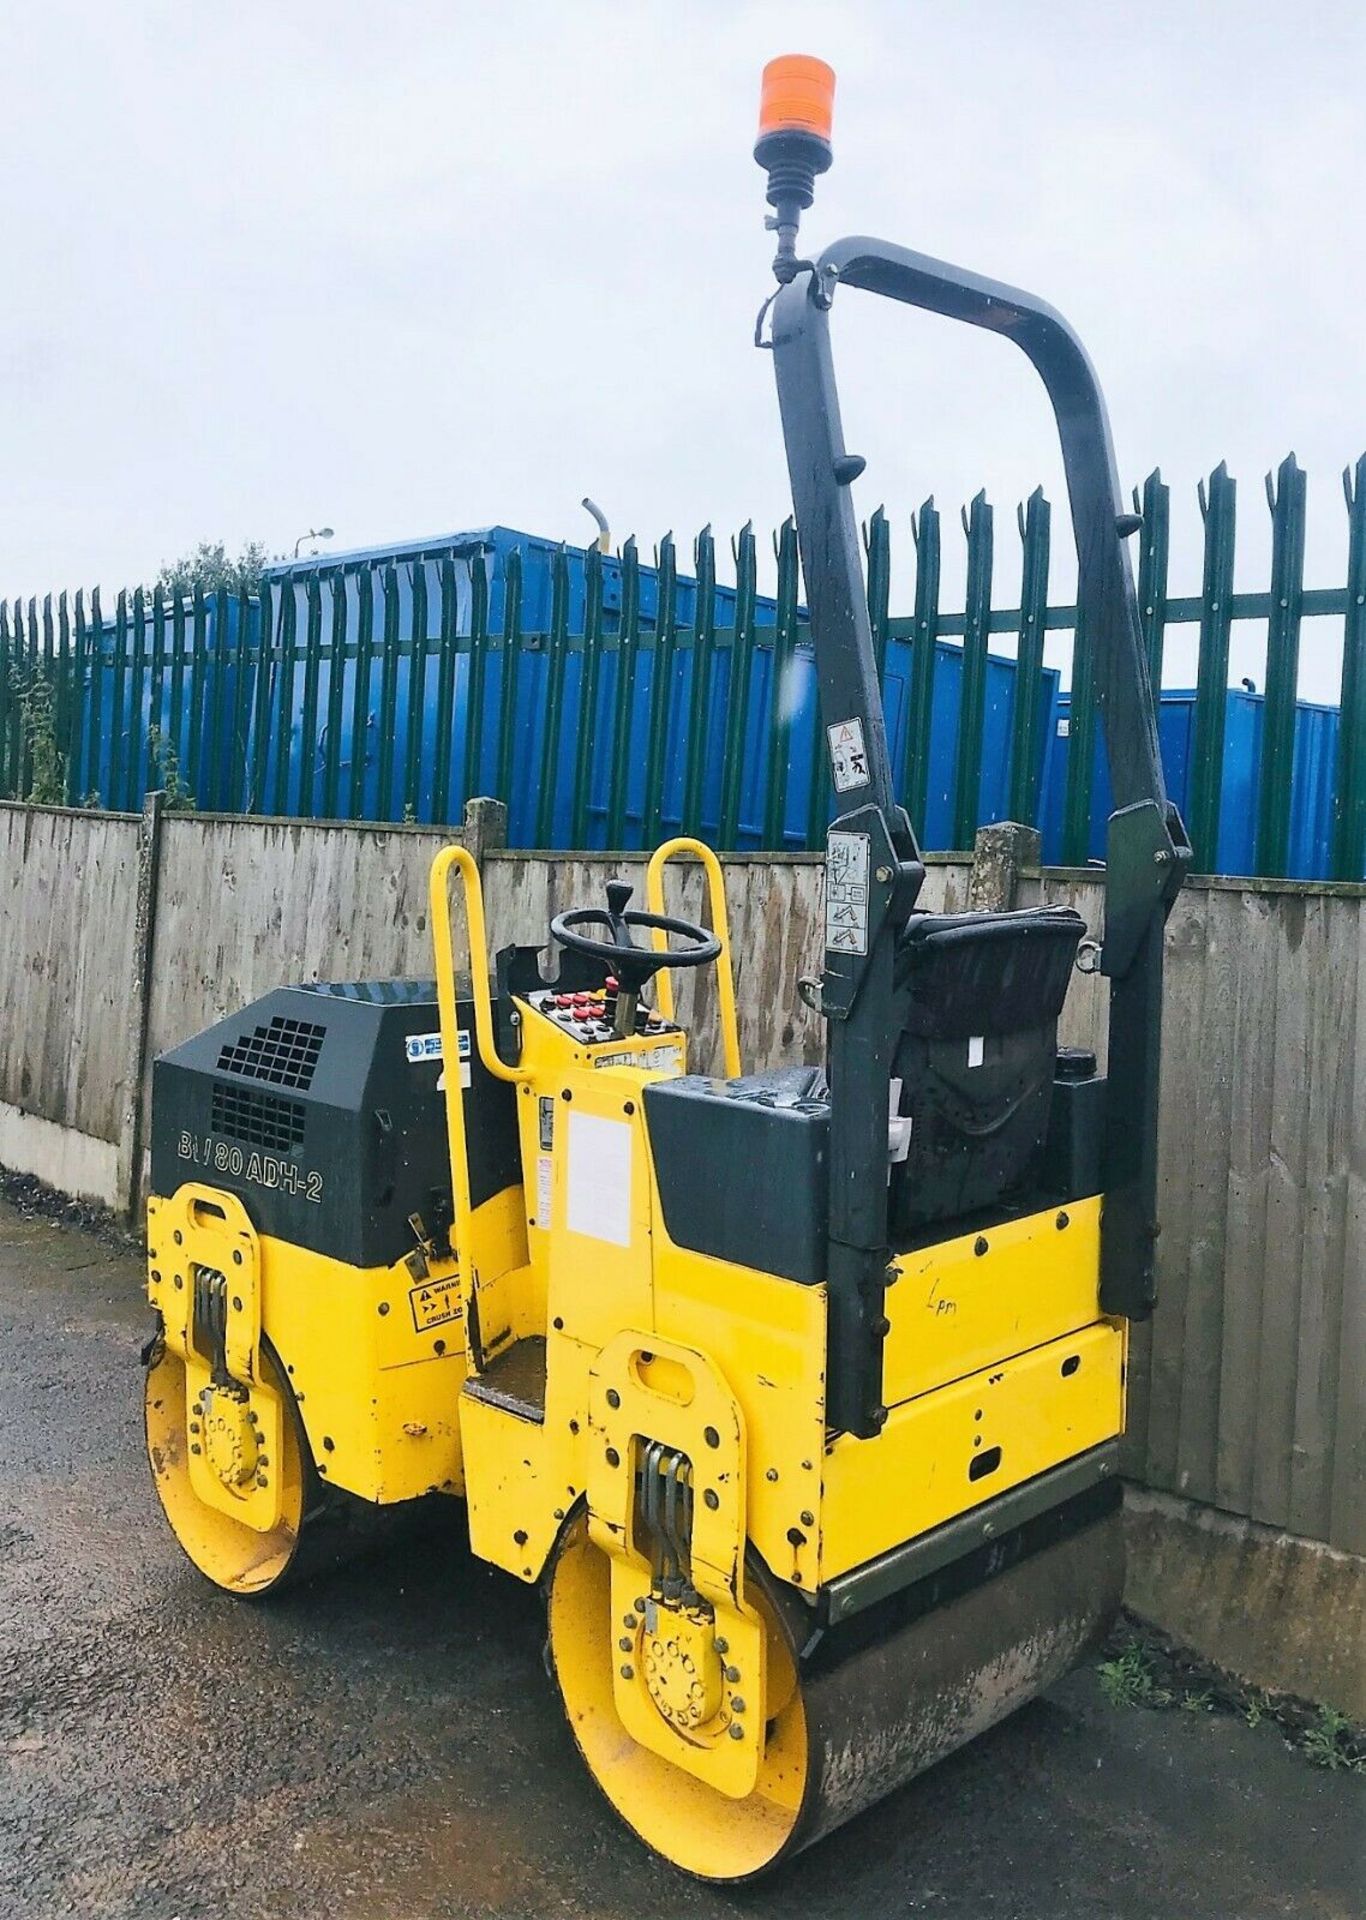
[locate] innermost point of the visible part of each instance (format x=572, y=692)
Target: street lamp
x=314, y=533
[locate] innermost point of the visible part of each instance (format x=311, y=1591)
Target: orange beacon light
x=796, y=114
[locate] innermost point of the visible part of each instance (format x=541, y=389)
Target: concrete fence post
x=485, y=828
x=999, y=855
x=135, y=1055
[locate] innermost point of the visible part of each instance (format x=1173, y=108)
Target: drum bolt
x=195, y=1449
x=808, y=1519
x=711, y=1498
x=628, y=1620
x=613, y=1398
x=640, y=1608
x=722, y=1646
x=772, y=1474
x=262, y=1481
x=628, y=1673
x=625, y=1643
x=884, y=874
x=262, y=1461
x=737, y=1732
x=237, y=1256
x=194, y=1426
x=732, y=1676
x=737, y=1705
x=613, y=1457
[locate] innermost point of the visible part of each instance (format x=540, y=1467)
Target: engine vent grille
x=285, y=1053
x=257, y=1119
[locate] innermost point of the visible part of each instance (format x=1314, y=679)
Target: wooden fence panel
x=68, y=890
x=1347, y=1406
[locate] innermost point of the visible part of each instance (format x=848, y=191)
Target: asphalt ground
x=385, y=1745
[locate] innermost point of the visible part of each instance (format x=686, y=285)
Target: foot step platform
x=514, y=1381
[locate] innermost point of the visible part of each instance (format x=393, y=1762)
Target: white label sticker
x=652, y=1059
x=545, y=1181
x=848, y=759
x=598, y=1198
x=976, y=1049
x=846, y=892
x=422, y=1047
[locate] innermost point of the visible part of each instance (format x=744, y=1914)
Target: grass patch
x=1330, y=1741
x=1145, y=1667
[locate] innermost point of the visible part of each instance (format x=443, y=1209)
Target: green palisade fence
x=641, y=702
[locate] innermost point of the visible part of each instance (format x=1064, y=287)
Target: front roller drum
x=843, y=1733
x=234, y=1555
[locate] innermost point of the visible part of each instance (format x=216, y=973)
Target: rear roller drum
x=843, y=1732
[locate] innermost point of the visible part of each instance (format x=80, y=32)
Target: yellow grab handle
x=716, y=890
x=439, y=889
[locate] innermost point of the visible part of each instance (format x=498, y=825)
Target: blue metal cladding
x=1312, y=781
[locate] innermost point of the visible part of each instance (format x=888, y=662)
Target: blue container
x=1311, y=789
x=489, y=548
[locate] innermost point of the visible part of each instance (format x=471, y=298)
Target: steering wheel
x=632, y=965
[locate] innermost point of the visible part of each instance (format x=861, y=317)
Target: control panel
x=591, y=1017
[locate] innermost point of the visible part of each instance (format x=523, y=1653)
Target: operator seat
x=974, y=1065
x=742, y=1165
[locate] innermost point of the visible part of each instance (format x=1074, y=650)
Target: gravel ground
x=385, y=1746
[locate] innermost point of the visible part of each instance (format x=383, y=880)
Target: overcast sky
x=409, y=268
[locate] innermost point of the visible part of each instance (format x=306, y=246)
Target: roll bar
x=874, y=869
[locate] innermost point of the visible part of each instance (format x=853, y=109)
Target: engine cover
x=322, y=1108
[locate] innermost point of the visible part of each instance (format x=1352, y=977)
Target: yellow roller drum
x=228, y=1551
x=848, y=1719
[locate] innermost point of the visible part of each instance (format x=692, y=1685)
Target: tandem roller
x=797, y=1391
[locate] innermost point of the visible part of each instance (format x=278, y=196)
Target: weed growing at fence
x=38, y=717
x=166, y=760
x=1129, y=1681
x=1147, y=1668
x=1330, y=1742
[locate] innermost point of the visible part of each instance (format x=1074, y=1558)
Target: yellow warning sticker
x=434, y=1304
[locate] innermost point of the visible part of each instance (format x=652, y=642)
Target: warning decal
x=848, y=758
x=434, y=1304
x=846, y=892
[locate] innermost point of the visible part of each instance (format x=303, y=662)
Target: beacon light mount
x=796, y=114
